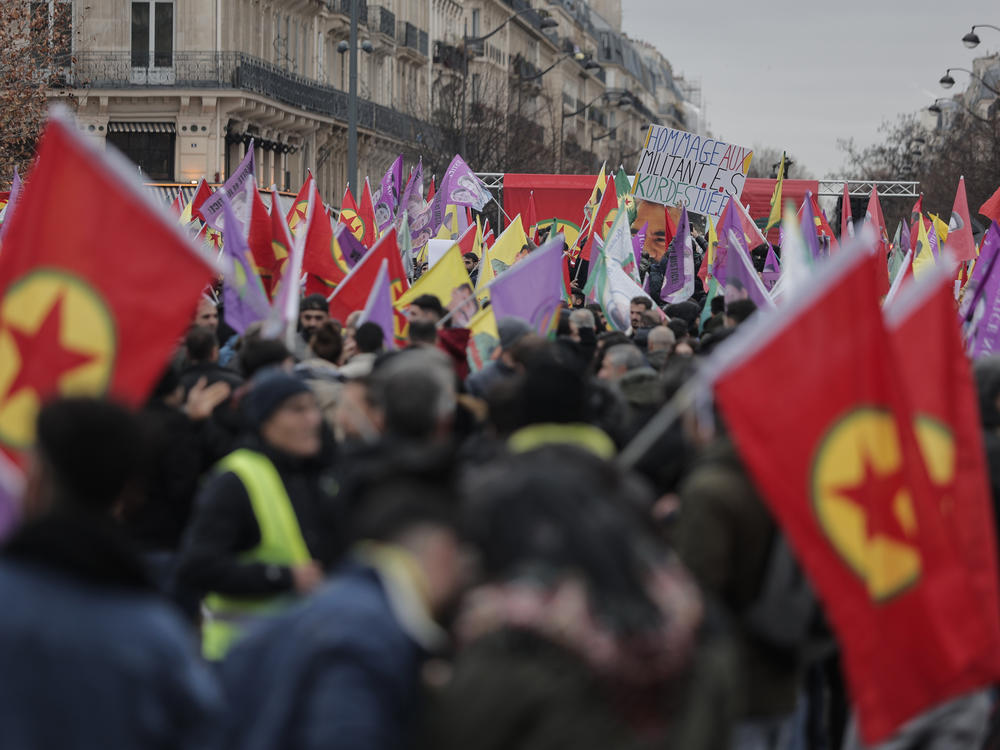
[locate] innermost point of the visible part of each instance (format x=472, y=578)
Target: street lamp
x=588, y=64
x=936, y=109
x=568, y=115
x=971, y=39
x=947, y=81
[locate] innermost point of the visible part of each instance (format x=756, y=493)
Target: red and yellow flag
x=844, y=476
x=81, y=312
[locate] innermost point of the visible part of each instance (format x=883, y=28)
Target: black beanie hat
x=267, y=392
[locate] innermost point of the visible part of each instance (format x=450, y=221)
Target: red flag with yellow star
x=297, y=213
x=935, y=373
x=840, y=468
x=366, y=211
x=96, y=284
x=323, y=260
x=349, y=215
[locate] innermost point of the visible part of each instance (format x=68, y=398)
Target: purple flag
x=729, y=223
x=459, y=186
x=772, y=269
x=8, y=211
x=388, y=193
x=809, y=228
x=235, y=191
x=742, y=281
x=350, y=246
x=678, y=277
x=532, y=288
x=638, y=242
x=243, y=295
x=980, y=308
x=378, y=308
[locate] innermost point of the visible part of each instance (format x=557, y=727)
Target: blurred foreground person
x=343, y=669
x=583, y=630
x=90, y=655
x=266, y=523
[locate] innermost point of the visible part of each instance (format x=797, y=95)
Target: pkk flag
x=846, y=218
x=378, y=308
x=991, y=208
x=79, y=312
x=772, y=269
x=320, y=259
x=532, y=289
x=981, y=303
x=285, y=304
x=742, y=281
x=367, y=213
x=960, y=238
x=774, y=218
x=243, y=296
x=235, y=189
x=846, y=481
x=936, y=376
x=352, y=293
x=350, y=216
x=258, y=236
x=387, y=195
x=300, y=207
x=678, y=278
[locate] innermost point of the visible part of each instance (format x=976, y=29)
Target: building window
x=151, y=151
x=153, y=34
x=476, y=83
x=475, y=22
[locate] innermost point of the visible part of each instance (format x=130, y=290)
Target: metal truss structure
x=863, y=188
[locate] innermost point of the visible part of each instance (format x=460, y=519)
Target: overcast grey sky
x=799, y=74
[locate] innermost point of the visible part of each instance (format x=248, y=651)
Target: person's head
x=618, y=360
x=714, y=323
x=420, y=518
x=426, y=307
x=679, y=328
x=660, y=338
x=257, y=354
x=370, y=338
x=739, y=310
x=649, y=319
x=413, y=394
x=284, y=413
x=579, y=299
x=88, y=457
x=314, y=311
x=422, y=333
x=600, y=324
x=206, y=315
x=201, y=345
x=637, y=307
x=326, y=342
x=718, y=304
x=471, y=260
x=581, y=318
x=511, y=331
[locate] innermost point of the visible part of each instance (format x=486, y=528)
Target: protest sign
x=695, y=171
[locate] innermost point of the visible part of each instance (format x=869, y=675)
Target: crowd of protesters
x=331, y=545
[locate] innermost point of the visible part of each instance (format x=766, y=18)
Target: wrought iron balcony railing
x=235, y=70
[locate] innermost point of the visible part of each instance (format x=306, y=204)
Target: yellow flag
x=486, y=274
x=449, y=223
x=775, y=217
x=508, y=245
x=941, y=228
x=449, y=282
x=483, y=338
x=924, y=259
x=713, y=240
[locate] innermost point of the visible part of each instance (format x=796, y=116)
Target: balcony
x=382, y=21
x=343, y=8
x=413, y=42
x=236, y=71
